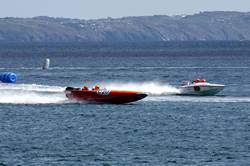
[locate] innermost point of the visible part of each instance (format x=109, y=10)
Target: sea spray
x=31, y=94
x=151, y=88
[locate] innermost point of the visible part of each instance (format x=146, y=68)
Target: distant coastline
x=205, y=26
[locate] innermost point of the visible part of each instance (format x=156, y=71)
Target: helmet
x=203, y=80
x=197, y=80
x=85, y=88
x=96, y=87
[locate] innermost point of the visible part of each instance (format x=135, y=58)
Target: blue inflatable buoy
x=8, y=77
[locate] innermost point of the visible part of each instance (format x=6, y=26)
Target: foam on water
x=44, y=94
x=158, y=92
x=200, y=99
x=151, y=88
x=31, y=94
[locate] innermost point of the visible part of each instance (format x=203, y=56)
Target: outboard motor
x=8, y=77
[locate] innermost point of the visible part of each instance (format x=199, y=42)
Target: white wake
x=199, y=99
x=158, y=92
x=31, y=94
x=151, y=88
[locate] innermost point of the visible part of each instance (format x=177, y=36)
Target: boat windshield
x=183, y=83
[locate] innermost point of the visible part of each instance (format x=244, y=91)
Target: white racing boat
x=200, y=88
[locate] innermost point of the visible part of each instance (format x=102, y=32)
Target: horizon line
x=110, y=17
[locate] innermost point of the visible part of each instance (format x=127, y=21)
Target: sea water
x=40, y=126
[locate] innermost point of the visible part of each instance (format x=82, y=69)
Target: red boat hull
x=104, y=96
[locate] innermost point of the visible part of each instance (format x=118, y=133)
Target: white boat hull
x=202, y=89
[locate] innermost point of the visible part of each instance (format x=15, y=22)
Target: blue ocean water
x=39, y=126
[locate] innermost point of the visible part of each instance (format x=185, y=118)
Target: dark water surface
x=39, y=126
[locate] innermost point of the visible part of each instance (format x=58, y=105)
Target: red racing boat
x=103, y=95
